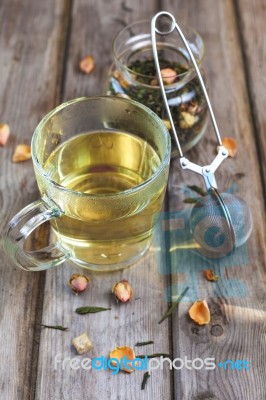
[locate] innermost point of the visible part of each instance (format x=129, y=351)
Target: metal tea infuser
x=219, y=222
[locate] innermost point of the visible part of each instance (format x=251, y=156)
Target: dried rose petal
x=231, y=145
x=4, y=134
x=200, y=312
x=193, y=108
x=122, y=291
x=78, y=283
x=22, y=153
x=167, y=124
x=209, y=275
x=119, y=353
x=169, y=75
x=188, y=120
x=122, y=81
x=87, y=64
x=154, y=82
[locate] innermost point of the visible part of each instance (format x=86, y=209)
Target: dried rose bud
x=168, y=75
x=209, y=275
x=4, y=134
x=78, y=283
x=87, y=64
x=22, y=153
x=200, y=313
x=122, y=291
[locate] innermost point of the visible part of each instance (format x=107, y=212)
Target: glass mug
x=101, y=165
x=133, y=76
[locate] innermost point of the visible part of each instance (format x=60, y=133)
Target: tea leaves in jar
x=185, y=98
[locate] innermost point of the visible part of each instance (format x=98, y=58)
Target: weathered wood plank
x=92, y=29
x=251, y=21
x=237, y=301
x=31, y=47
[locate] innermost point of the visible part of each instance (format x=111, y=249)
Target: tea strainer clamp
x=206, y=171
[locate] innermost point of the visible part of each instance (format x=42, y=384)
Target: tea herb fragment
x=239, y=175
x=138, y=344
x=173, y=306
x=187, y=120
x=190, y=200
x=87, y=64
x=209, y=275
x=197, y=190
x=22, y=153
x=4, y=134
x=145, y=379
x=167, y=124
x=57, y=327
x=90, y=310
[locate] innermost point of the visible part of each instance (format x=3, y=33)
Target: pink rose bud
x=78, y=283
x=122, y=291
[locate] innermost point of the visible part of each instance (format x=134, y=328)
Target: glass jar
x=133, y=75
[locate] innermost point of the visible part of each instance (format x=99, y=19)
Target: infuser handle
x=207, y=171
x=222, y=152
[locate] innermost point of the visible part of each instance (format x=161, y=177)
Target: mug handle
x=19, y=229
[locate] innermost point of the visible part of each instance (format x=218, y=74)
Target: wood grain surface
x=40, y=48
x=251, y=16
x=124, y=324
x=31, y=47
x=239, y=294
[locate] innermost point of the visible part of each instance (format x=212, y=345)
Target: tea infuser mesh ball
x=219, y=222
x=207, y=222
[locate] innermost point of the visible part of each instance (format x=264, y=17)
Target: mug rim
x=165, y=161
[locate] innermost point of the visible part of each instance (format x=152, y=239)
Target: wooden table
x=41, y=44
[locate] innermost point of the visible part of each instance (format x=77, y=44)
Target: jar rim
x=131, y=72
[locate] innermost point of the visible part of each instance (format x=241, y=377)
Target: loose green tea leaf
x=155, y=355
x=144, y=343
x=144, y=381
x=239, y=175
x=173, y=306
x=197, y=189
x=190, y=200
x=90, y=310
x=58, y=327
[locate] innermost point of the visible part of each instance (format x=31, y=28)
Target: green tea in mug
x=102, y=163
